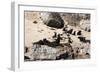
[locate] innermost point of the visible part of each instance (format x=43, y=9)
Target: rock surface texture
x=56, y=36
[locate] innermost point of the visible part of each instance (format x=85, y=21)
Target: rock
x=26, y=58
x=73, y=56
x=87, y=29
x=26, y=49
x=44, y=53
x=35, y=22
x=54, y=43
x=52, y=19
x=74, y=33
x=83, y=39
x=62, y=56
x=40, y=42
x=70, y=31
x=55, y=35
x=79, y=32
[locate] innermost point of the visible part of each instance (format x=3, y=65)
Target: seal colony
x=56, y=36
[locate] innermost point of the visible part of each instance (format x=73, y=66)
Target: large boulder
x=52, y=19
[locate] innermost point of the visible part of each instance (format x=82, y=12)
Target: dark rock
x=54, y=20
x=72, y=50
x=89, y=30
x=74, y=33
x=55, y=24
x=77, y=51
x=58, y=39
x=70, y=31
x=85, y=29
x=83, y=39
x=40, y=42
x=55, y=35
x=26, y=49
x=63, y=56
x=73, y=56
x=35, y=22
x=64, y=29
x=87, y=54
x=52, y=28
x=69, y=39
x=46, y=42
x=54, y=43
x=79, y=33
x=26, y=57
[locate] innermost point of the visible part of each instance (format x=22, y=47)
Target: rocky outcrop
x=54, y=43
x=44, y=52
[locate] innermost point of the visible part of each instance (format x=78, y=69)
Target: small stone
x=35, y=22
